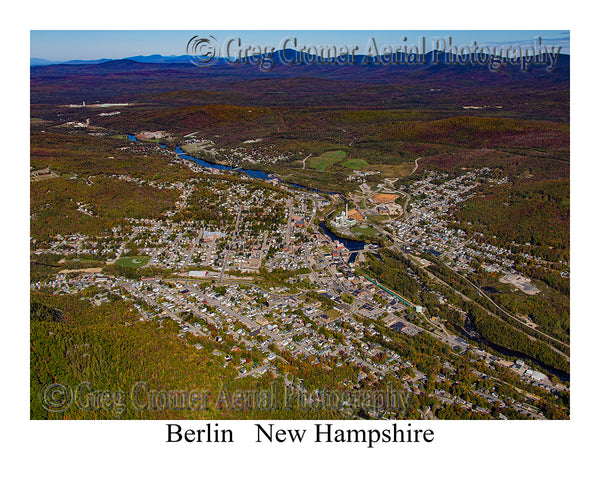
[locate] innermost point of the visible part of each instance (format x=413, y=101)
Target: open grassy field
x=326, y=159
x=194, y=148
x=364, y=230
x=378, y=218
x=138, y=261
x=355, y=163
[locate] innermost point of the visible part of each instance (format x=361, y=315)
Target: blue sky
x=61, y=45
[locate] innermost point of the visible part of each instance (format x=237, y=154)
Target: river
x=251, y=173
x=352, y=245
x=259, y=174
x=472, y=332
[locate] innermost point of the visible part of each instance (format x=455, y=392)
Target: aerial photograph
x=299, y=225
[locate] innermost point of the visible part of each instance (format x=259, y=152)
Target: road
x=262, y=249
x=312, y=218
x=233, y=235
x=304, y=162
x=157, y=250
x=483, y=294
x=251, y=324
x=289, y=224
x=416, y=165
x=258, y=370
x=138, y=293
x=195, y=242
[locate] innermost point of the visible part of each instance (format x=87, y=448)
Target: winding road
x=416, y=165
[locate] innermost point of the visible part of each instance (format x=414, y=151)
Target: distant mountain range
x=277, y=57
x=36, y=62
x=310, y=81
x=433, y=65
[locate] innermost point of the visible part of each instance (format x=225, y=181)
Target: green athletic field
x=132, y=261
x=326, y=159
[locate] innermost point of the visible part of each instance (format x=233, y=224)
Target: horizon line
x=228, y=58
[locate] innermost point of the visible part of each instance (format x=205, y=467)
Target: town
x=250, y=263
